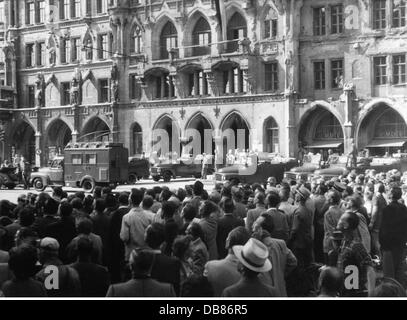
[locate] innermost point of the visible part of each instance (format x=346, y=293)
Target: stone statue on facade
x=74, y=94
x=39, y=93
x=114, y=78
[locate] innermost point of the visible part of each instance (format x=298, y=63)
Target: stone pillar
x=289, y=147
x=115, y=123
x=348, y=98
x=76, y=123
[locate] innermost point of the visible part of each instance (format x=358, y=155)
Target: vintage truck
x=259, y=169
x=85, y=165
x=184, y=167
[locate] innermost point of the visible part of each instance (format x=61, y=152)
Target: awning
x=325, y=145
x=386, y=143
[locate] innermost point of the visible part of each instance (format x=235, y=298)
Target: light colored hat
x=49, y=244
x=253, y=255
x=303, y=192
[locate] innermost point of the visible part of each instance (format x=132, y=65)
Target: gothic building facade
x=317, y=73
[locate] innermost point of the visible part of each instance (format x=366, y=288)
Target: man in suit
x=280, y=221
x=64, y=230
x=224, y=273
x=117, y=245
x=142, y=285
x=165, y=269
x=253, y=260
x=225, y=225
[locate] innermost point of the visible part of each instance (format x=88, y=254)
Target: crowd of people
x=293, y=239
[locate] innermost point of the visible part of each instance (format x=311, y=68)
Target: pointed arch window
x=201, y=36
x=137, y=40
x=237, y=29
x=168, y=39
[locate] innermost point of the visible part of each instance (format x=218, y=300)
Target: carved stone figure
x=39, y=93
x=74, y=94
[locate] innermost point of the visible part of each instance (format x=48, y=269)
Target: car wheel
x=132, y=179
x=156, y=178
x=38, y=185
x=88, y=185
x=167, y=176
x=11, y=185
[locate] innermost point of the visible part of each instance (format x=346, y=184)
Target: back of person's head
x=80, y=194
x=395, y=193
x=196, y=286
x=189, y=190
x=181, y=246
x=77, y=203
x=205, y=195
x=273, y=199
x=198, y=188
x=100, y=205
x=226, y=191
x=155, y=235
x=237, y=237
x=267, y=223
x=85, y=248
x=23, y=261
x=168, y=209
x=334, y=196
x=65, y=209
x=260, y=198
x=51, y=207
x=26, y=217
x=215, y=197
x=237, y=194
x=141, y=262
x=331, y=281
x=106, y=191
x=208, y=208
x=381, y=188
x=84, y=226
x=387, y=288
x=148, y=202
x=189, y=212
x=150, y=192
x=355, y=201
x=322, y=189
x=26, y=235
x=181, y=194
x=228, y=206
x=157, y=190
x=123, y=199
x=58, y=192
x=353, y=219
x=97, y=193
x=165, y=194
x=110, y=200
x=349, y=190
x=136, y=197
x=195, y=230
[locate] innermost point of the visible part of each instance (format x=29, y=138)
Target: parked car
x=184, y=167
x=256, y=172
x=139, y=168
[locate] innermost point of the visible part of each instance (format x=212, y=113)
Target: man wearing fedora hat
x=253, y=260
x=301, y=242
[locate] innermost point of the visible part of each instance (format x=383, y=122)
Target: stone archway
x=235, y=133
x=319, y=130
x=58, y=135
x=23, y=141
x=382, y=130
x=95, y=130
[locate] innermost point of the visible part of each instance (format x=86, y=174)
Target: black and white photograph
x=203, y=150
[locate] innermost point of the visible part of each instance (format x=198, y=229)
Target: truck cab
x=51, y=175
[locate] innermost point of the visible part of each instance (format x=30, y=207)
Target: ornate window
x=137, y=139
x=137, y=40
x=168, y=39
x=201, y=38
x=237, y=29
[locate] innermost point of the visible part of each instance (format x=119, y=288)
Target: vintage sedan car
x=310, y=165
x=184, y=167
x=139, y=168
x=52, y=175
x=256, y=172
